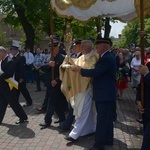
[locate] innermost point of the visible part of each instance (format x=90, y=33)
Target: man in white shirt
x=29, y=65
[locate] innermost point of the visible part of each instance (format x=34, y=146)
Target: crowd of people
x=103, y=73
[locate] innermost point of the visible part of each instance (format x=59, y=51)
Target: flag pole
x=142, y=34
x=51, y=37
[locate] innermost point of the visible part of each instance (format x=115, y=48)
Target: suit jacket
x=104, y=78
x=146, y=81
x=48, y=75
x=8, y=68
x=20, y=67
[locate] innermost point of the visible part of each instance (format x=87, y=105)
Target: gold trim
x=71, y=17
x=82, y=4
x=63, y=4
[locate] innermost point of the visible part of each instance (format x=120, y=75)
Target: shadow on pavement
x=128, y=128
x=82, y=142
x=20, y=131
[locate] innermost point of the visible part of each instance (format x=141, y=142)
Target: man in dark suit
x=104, y=92
x=56, y=101
x=145, y=109
x=7, y=68
x=20, y=75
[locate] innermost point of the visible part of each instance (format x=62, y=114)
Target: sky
x=116, y=29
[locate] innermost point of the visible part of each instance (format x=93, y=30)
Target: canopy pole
x=142, y=34
x=51, y=37
x=99, y=25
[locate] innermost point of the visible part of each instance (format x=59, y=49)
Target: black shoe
x=27, y=104
x=59, y=121
x=40, y=110
x=20, y=121
x=44, y=125
x=94, y=148
x=64, y=128
x=139, y=121
x=109, y=143
x=69, y=138
x=38, y=90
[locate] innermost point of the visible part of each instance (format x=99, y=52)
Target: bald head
x=86, y=46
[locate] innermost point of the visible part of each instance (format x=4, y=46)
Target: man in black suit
x=104, y=92
x=7, y=68
x=20, y=75
x=145, y=109
x=57, y=100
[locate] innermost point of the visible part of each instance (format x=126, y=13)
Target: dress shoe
x=38, y=90
x=59, y=121
x=40, y=110
x=63, y=128
x=109, y=143
x=44, y=125
x=20, y=121
x=94, y=148
x=27, y=104
x=139, y=121
x=69, y=138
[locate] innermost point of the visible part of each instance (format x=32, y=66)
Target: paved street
x=29, y=136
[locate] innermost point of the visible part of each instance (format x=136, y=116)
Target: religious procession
x=85, y=92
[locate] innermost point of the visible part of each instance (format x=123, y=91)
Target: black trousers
x=23, y=89
x=7, y=97
x=146, y=136
x=104, y=126
x=38, y=79
x=55, y=104
x=45, y=103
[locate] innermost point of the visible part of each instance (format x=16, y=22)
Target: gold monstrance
x=68, y=42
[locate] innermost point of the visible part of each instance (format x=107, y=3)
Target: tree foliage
x=130, y=33
x=3, y=40
x=33, y=16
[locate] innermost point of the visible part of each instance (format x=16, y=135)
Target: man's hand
x=52, y=63
x=77, y=69
x=53, y=83
x=21, y=80
x=144, y=70
x=37, y=68
x=140, y=107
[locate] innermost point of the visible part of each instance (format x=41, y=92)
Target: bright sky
x=116, y=28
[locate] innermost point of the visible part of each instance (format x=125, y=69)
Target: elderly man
x=81, y=97
x=7, y=69
x=104, y=92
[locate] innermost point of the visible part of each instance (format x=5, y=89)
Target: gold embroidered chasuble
x=72, y=82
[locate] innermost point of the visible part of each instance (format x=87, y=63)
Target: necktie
x=14, y=59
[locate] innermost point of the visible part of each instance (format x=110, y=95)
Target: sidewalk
x=30, y=137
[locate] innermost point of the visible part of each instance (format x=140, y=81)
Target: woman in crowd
x=135, y=64
x=122, y=75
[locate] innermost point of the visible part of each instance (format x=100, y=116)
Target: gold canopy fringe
x=82, y=4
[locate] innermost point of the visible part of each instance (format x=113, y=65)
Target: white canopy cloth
x=84, y=10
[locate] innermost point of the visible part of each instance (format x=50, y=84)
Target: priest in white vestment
x=78, y=91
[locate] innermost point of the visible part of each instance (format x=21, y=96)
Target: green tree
x=130, y=33
x=3, y=40
x=33, y=17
